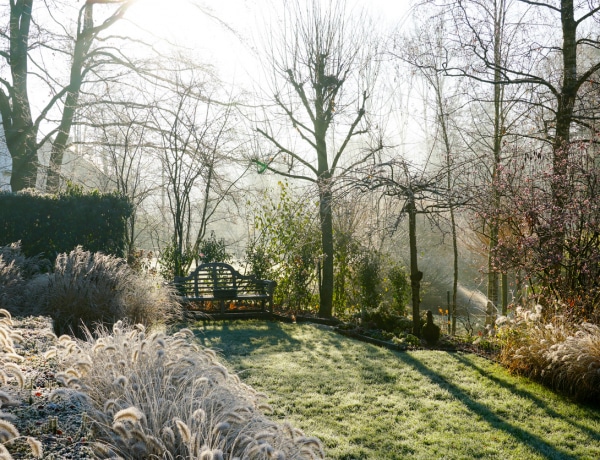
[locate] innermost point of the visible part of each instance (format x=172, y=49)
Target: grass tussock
x=162, y=396
x=16, y=271
x=564, y=356
x=92, y=289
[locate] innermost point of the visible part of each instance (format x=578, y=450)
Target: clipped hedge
x=53, y=224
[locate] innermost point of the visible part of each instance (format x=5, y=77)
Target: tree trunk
x=327, y=281
x=415, y=275
x=453, y=308
x=493, y=282
x=504, y=294
x=82, y=46
x=19, y=129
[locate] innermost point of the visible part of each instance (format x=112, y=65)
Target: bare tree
x=26, y=45
x=419, y=193
x=199, y=171
x=121, y=143
x=323, y=76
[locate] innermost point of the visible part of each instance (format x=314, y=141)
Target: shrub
x=161, y=396
x=285, y=248
x=53, y=224
x=97, y=289
x=383, y=318
x=369, y=280
x=400, y=288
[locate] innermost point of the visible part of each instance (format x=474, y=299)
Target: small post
x=449, y=312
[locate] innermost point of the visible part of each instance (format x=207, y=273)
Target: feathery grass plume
x=185, y=333
x=168, y=436
x=58, y=394
x=7, y=400
x=71, y=372
x=7, y=431
x=199, y=416
x=8, y=417
x=4, y=453
x=120, y=430
x=221, y=427
x=131, y=414
x=16, y=337
x=266, y=408
x=36, y=447
x=64, y=339
x=184, y=430
x=51, y=353
x=5, y=335
x=48, y=334
x=15, y=371
x=110, y=405
x=121, y=380
x=82, y=367
x=206, y=454
x=98, y=347
x=13, y=357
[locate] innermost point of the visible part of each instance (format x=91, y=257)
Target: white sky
x=180, y=21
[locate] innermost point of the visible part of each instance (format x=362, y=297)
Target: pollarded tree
x=322, y=60
x=419, y=193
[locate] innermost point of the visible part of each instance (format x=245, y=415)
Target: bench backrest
x=220, y=280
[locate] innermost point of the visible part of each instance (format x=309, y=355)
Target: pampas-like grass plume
x=131, y=414
x=184, y=430
x=4, y=454
x=14, y=370
x=13, y=357
x=36, y=447
x=7, y=431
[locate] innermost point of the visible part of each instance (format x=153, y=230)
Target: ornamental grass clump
x=162, y=396
x=16, y=271
x=564, y=356
x=90, y=289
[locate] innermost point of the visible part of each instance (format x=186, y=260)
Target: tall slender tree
x=324, y=72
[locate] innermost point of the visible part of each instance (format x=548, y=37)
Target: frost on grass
x=162, y=396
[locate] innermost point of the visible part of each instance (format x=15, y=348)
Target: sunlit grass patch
x=366, y=402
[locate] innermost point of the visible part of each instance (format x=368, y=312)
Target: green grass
x=366, y=402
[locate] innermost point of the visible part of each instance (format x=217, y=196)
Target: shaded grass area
x=365, y=402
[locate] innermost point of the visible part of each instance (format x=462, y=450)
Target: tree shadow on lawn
x=532, y=397
x=267, y=337
x=263, y=334
x=523, y=436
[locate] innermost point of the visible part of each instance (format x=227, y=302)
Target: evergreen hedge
x=53, y=224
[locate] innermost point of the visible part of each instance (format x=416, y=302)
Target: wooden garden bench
x=220, y=285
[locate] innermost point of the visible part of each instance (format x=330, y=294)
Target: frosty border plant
x=162, y=396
